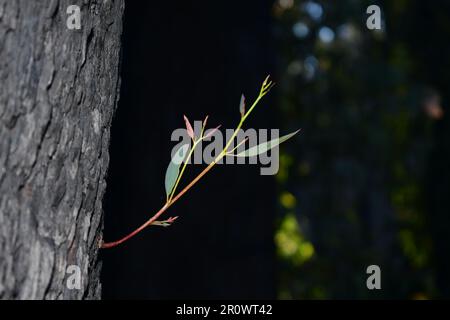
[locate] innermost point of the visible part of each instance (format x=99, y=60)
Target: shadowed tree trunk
x=58, y=92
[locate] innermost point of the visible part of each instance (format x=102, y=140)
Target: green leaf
x=173, y=170
x=265, y=146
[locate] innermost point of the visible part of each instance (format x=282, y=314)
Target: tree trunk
x=58, y=92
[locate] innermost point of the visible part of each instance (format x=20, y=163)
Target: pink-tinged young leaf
x=165, y=223
x=211, y=132
x=240, y=144
x=242, y=106
x=189, y=129
x=172, y=219
x=205, y=121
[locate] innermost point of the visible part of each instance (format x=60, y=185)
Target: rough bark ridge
x=58, y=92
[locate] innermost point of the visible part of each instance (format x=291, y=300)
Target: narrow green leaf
x=173, y=170
x=265, y=146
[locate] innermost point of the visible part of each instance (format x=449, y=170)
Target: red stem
x=161, y=211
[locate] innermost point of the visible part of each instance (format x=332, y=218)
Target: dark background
x=366, y=182
x=193, y=58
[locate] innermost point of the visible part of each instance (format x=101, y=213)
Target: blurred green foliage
x=352, y=187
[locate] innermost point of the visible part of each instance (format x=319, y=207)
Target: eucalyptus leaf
x=173, y=170
x=242, y=105
x=265, y=146
x=189, y=129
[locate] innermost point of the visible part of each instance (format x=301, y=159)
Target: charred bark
x=58, y=92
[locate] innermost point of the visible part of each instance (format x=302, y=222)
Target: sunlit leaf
x=173, y=170
x=265, y=146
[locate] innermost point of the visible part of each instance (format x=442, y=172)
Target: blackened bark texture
x=58, y=92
